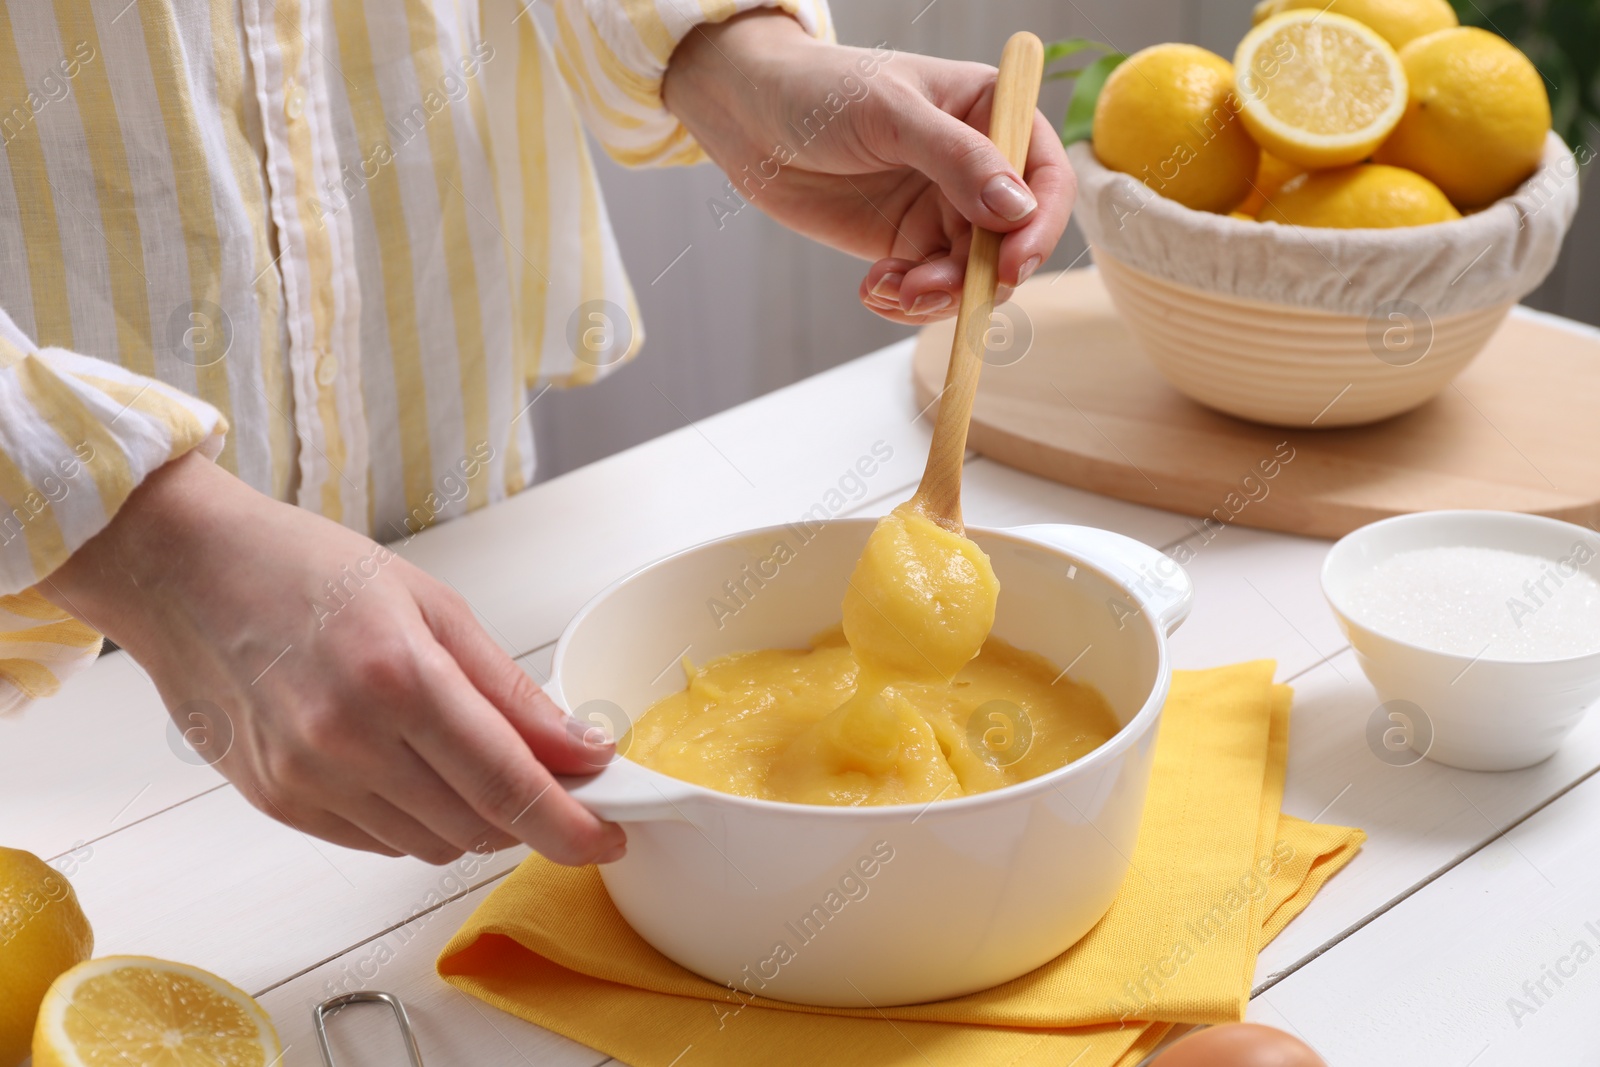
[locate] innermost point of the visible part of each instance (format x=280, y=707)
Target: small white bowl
x=1480, y=714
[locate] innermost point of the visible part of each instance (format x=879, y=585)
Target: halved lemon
x=120, y=1010
x=1318, y=89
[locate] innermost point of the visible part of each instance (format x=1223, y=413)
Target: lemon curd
x=909, y=701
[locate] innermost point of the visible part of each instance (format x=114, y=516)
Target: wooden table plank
x=450, y=1027
x=91, y=760
x=1419, y=818
x=1257, y=596
x=214, y=883
x=1481, y=967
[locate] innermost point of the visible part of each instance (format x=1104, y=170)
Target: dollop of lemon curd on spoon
x=921, y=601
x=910, y=701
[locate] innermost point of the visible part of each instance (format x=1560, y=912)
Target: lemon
x=1397, y=21
x=1318, y=89
x=120, y=1010
x=1368, y=195
x=42, y=933
x=1270, y=176
x=1168, y=116
x=1477, y=116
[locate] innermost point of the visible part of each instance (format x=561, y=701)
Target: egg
x=1239, y=1045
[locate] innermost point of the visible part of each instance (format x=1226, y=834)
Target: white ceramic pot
x=872, y=905
x=1477, y=713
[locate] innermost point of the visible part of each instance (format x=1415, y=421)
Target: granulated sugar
x=1482, y=602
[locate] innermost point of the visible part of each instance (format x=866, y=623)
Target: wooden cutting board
x=1519, y=430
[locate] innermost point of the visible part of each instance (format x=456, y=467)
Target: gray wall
x=751, y=307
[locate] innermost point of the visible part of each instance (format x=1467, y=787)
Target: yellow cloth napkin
x=1217, y=873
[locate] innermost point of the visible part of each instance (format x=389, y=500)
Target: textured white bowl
x=1289, y=366
x=1480, y=714
x=875, y=905
x=1301, y=326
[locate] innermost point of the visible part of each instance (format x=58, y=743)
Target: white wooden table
x=1470, y=885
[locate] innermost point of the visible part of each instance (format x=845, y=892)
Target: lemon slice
x=121, y=1010
x=1318, y=89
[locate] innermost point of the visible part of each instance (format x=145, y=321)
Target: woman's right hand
x=343, y=691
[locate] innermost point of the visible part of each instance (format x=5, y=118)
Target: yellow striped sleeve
x=76, y=436
x=614, y=53
x=39, y=646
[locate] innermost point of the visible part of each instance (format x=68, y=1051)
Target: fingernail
x=1007, y=199
x=613, y=855
x=591, y=735
x=928, y=303
x=1029, y=265
x=889, y=286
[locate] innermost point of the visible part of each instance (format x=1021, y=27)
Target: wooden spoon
x=1016, y=94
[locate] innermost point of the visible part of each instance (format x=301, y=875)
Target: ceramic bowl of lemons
x=1328, y=229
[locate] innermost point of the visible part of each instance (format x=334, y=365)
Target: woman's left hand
x=880, y=154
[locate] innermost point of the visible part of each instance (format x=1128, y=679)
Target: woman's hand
x=343, y=691
x=881, y=154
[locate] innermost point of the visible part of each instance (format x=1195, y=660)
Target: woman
x=277, y=280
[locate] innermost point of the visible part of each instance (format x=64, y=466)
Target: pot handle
x=1157, y=581
x=623, y=791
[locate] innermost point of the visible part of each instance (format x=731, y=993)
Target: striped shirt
x=335, y=246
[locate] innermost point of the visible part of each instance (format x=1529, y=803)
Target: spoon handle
x=1016, y=93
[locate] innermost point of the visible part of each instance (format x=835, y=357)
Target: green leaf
x=1070, y=47
x=1572, y=21
x=1079, y=122
x=1468, y=12
x=1510, y=18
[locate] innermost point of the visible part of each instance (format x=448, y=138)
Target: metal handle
x=320, y=1013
